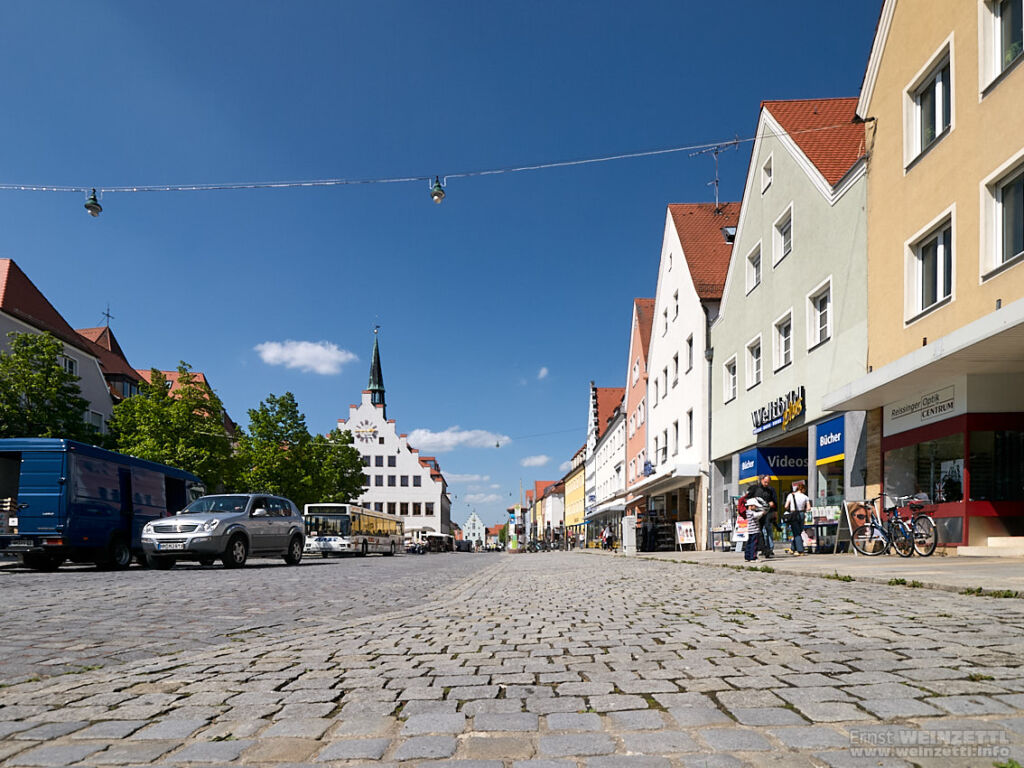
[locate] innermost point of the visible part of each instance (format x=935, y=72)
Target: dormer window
x=729, y=233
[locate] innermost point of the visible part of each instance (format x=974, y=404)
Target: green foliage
x=278, y=455
x=185, y=429
x=503, y=534
x=38, y=398
x=897, y=582
x=836, y=577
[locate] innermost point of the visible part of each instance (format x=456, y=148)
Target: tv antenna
x=108, y=316
x=716, y=150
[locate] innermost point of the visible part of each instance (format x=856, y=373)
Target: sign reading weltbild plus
x=780, y=411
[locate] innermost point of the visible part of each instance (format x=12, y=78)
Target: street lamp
x=437, y=191
x=92, y=205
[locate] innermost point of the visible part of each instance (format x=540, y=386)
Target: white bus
x=345, y=529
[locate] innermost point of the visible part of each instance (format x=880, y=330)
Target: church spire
x=376, y=385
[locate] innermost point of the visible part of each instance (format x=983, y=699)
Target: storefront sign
x=777, y=462
x=934, y=405
x=781, y=411
x=831, y=439
x=685, y=533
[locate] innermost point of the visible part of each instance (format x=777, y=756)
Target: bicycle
x=921, y=524
x=877, y=538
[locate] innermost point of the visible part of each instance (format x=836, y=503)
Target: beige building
x=942, y=101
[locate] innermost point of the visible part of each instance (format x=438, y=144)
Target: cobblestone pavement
x=537, y=661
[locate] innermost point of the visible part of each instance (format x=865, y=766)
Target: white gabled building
x=396, y=479
x=473, y=530
x=694, y=263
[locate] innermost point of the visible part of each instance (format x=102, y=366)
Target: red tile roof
x=540, y=486
x=825, y=131
x=645, y=319
x=112, y=358
x=495, y=530
x=20, y=298
x=608, y=399
x=707, y=252
x=172, y=376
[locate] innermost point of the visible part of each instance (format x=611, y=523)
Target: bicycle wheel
x=925, y=536
x=870, y=540
x=901, y=537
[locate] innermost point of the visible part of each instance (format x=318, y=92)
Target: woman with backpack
x=797, y=503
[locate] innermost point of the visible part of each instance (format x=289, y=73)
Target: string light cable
x=339, y=182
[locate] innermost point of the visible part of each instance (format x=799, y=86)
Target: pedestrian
x=767, y=494
x=649, y=539
x=754, y=509
x=797, y=504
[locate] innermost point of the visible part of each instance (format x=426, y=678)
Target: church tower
x=376, y=385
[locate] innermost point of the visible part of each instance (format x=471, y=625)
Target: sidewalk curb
x=874, y=580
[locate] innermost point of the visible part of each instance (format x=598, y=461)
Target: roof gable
x=867, y=88
x=825, y=130
x=20, y=298
x=112, y=357
x=608, y=399
x=705, y=248
x=644, y=309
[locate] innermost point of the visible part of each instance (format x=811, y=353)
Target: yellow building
x=575, y=496
x=942, y=101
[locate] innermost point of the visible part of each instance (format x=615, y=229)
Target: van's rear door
x=42, y=484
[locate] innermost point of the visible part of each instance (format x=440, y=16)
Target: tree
x=278, y=455
x=185, y=428
x=38, y=397
x=503, y=534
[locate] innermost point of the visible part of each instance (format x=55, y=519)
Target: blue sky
x=497, y=307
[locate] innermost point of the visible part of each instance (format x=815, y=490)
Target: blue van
x=64, y=500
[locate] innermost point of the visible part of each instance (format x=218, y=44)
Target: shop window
x=997, y=465
x=934, y=468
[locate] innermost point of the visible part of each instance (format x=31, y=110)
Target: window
x=391, y=507
x=417, y=481
x=754, y=269
x=636, y=371
x=378, y=461
x=664, y=323
x=403, y=508
x=378, y=506
x=928, y=104
x=689, y=353
x=428, y=508
x=784, y=341
x=819, y=315
x=70, y=365
x=934, y=267
x=417, y=508
x=391, y=481
x=391, y=461
x=380, y=441
x=675, y=369
x=405, y=481
x=754, y=363
x=766, y=175
x=378, y=480
x=675, y=305
x=664, y=381
x=783, y=237
x=1010, y=202
x=1003, y=37
x=675, y=437
x=366, y=461
x=656, y=448
x=729, y=380
x=366, y=481
x=689, y=428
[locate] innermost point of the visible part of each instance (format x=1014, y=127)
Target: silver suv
x=229, y=527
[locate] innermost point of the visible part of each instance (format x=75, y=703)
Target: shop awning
x=675, y=475
x=990, y=345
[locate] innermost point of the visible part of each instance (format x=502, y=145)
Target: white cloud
x=535, y=461
x=542, y=373
x=308, y=356
x=457, y=478
x=565, y=466
x=482, y=498
x=453, y=437
x=495, y=486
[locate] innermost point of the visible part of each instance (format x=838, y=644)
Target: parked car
x=415, y=547
x=228, y=527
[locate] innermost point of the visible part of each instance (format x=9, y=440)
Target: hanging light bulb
x=437, y=191
x=92, y=205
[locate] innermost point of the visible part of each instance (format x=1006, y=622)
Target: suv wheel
x=236, y=553
x=117, y=557
x=294, y=554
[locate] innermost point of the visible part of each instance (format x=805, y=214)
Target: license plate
x=171, y=545
x=21, y=543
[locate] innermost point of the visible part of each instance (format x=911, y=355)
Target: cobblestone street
x=539, y=661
